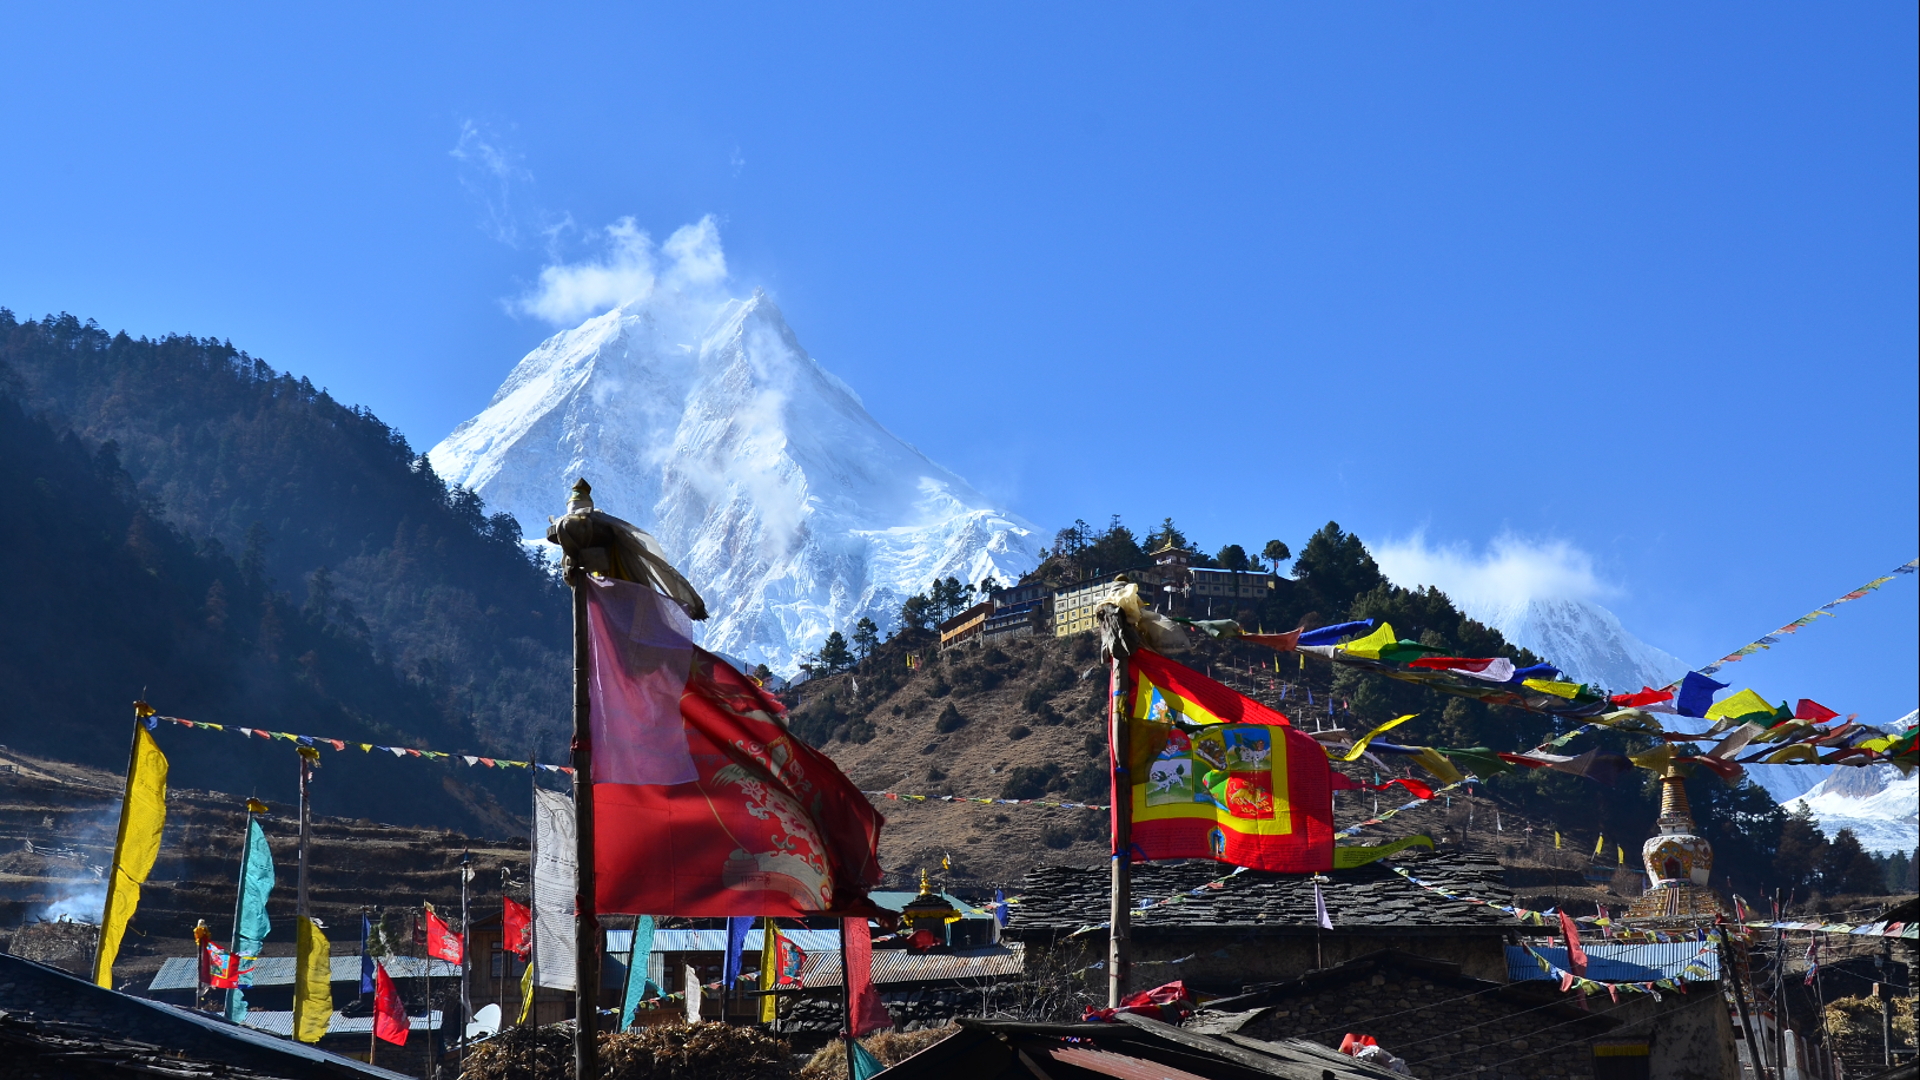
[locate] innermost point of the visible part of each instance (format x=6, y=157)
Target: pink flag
x=706, y=803
x=867, y=1012
x=1576, y=956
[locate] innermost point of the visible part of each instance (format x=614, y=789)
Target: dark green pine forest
x=182, y=521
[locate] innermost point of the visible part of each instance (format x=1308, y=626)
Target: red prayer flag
x=516, y=927
x=1645, y=697
x=868, y=1013
x=1576, y=956
x=220, y=970
x=1809, y=709
x=442, y=942
x=706, y=804
x=389, y=1013
x=1452, y=663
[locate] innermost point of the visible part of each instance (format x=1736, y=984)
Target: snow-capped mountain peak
x=787, y=504
x=1582, y=639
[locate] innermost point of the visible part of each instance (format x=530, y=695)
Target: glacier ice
x=792, y=509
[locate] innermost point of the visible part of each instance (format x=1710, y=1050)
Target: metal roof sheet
x=666, y=941
x=183, y=972
x=1647, y=962
x=275, y=1022
x=892, y=966
x=1119, y=1066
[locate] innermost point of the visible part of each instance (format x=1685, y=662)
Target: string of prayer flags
x=318, y=741
x=1768, y=641
x=1048, y=804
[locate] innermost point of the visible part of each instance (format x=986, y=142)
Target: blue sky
x=1631, y=286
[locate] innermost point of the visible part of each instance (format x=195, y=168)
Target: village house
x=1448, y=985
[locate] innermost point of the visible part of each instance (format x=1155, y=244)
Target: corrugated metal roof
x=892, y=966
x=281, y=1023
x=1120, y=1066
x=1622, y=963
x=665, y=941
x=182, y=972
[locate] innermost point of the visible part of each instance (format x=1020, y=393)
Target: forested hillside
x=321, y=504
x=1023, y=719
x=105, y=602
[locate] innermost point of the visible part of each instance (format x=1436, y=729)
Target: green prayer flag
x=639, y=958
x=251, y=928
x=864, y=1063
x=1478, y=760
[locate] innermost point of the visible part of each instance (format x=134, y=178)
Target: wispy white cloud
x=1510, y=570
x=492, y=172
x=629, y=267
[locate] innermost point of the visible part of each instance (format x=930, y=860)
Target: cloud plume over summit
x=1512, y=570
x=628, y=268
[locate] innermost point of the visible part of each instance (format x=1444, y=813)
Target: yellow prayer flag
x=312, y=982
x=1744, y=703
x=1599, y=845
x=526, y=993
x=1619, y=855
x=1443, y=770
x=143, y=817
x=769, y=970
x=1556, y=839
x=1361, y=746
x=1371, y=645
x=1568, y=690
x=1656, y=759
x=1796, y=752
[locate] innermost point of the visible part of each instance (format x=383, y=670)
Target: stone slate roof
x=1065, y=898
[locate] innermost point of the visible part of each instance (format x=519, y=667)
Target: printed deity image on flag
x=705, y=804
x=1222, y=776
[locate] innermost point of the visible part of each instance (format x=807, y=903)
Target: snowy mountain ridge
x=789, y=506
x=1875, y=801
x=1581, y=638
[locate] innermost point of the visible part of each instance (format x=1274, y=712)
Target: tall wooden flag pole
x=1121, y=907
x=585, y=544
x=586, y=977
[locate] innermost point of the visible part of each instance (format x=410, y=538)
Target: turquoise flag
x=864, y=1063
x=639, y=959
x=250, y=931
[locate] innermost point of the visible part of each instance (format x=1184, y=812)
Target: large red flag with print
x=516, y=927
x=442, y=942
x=704, y=803
x=1217, y=775
x=389, y=1012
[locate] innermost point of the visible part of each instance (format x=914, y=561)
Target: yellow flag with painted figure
x=143, y=817
x=312, y=982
